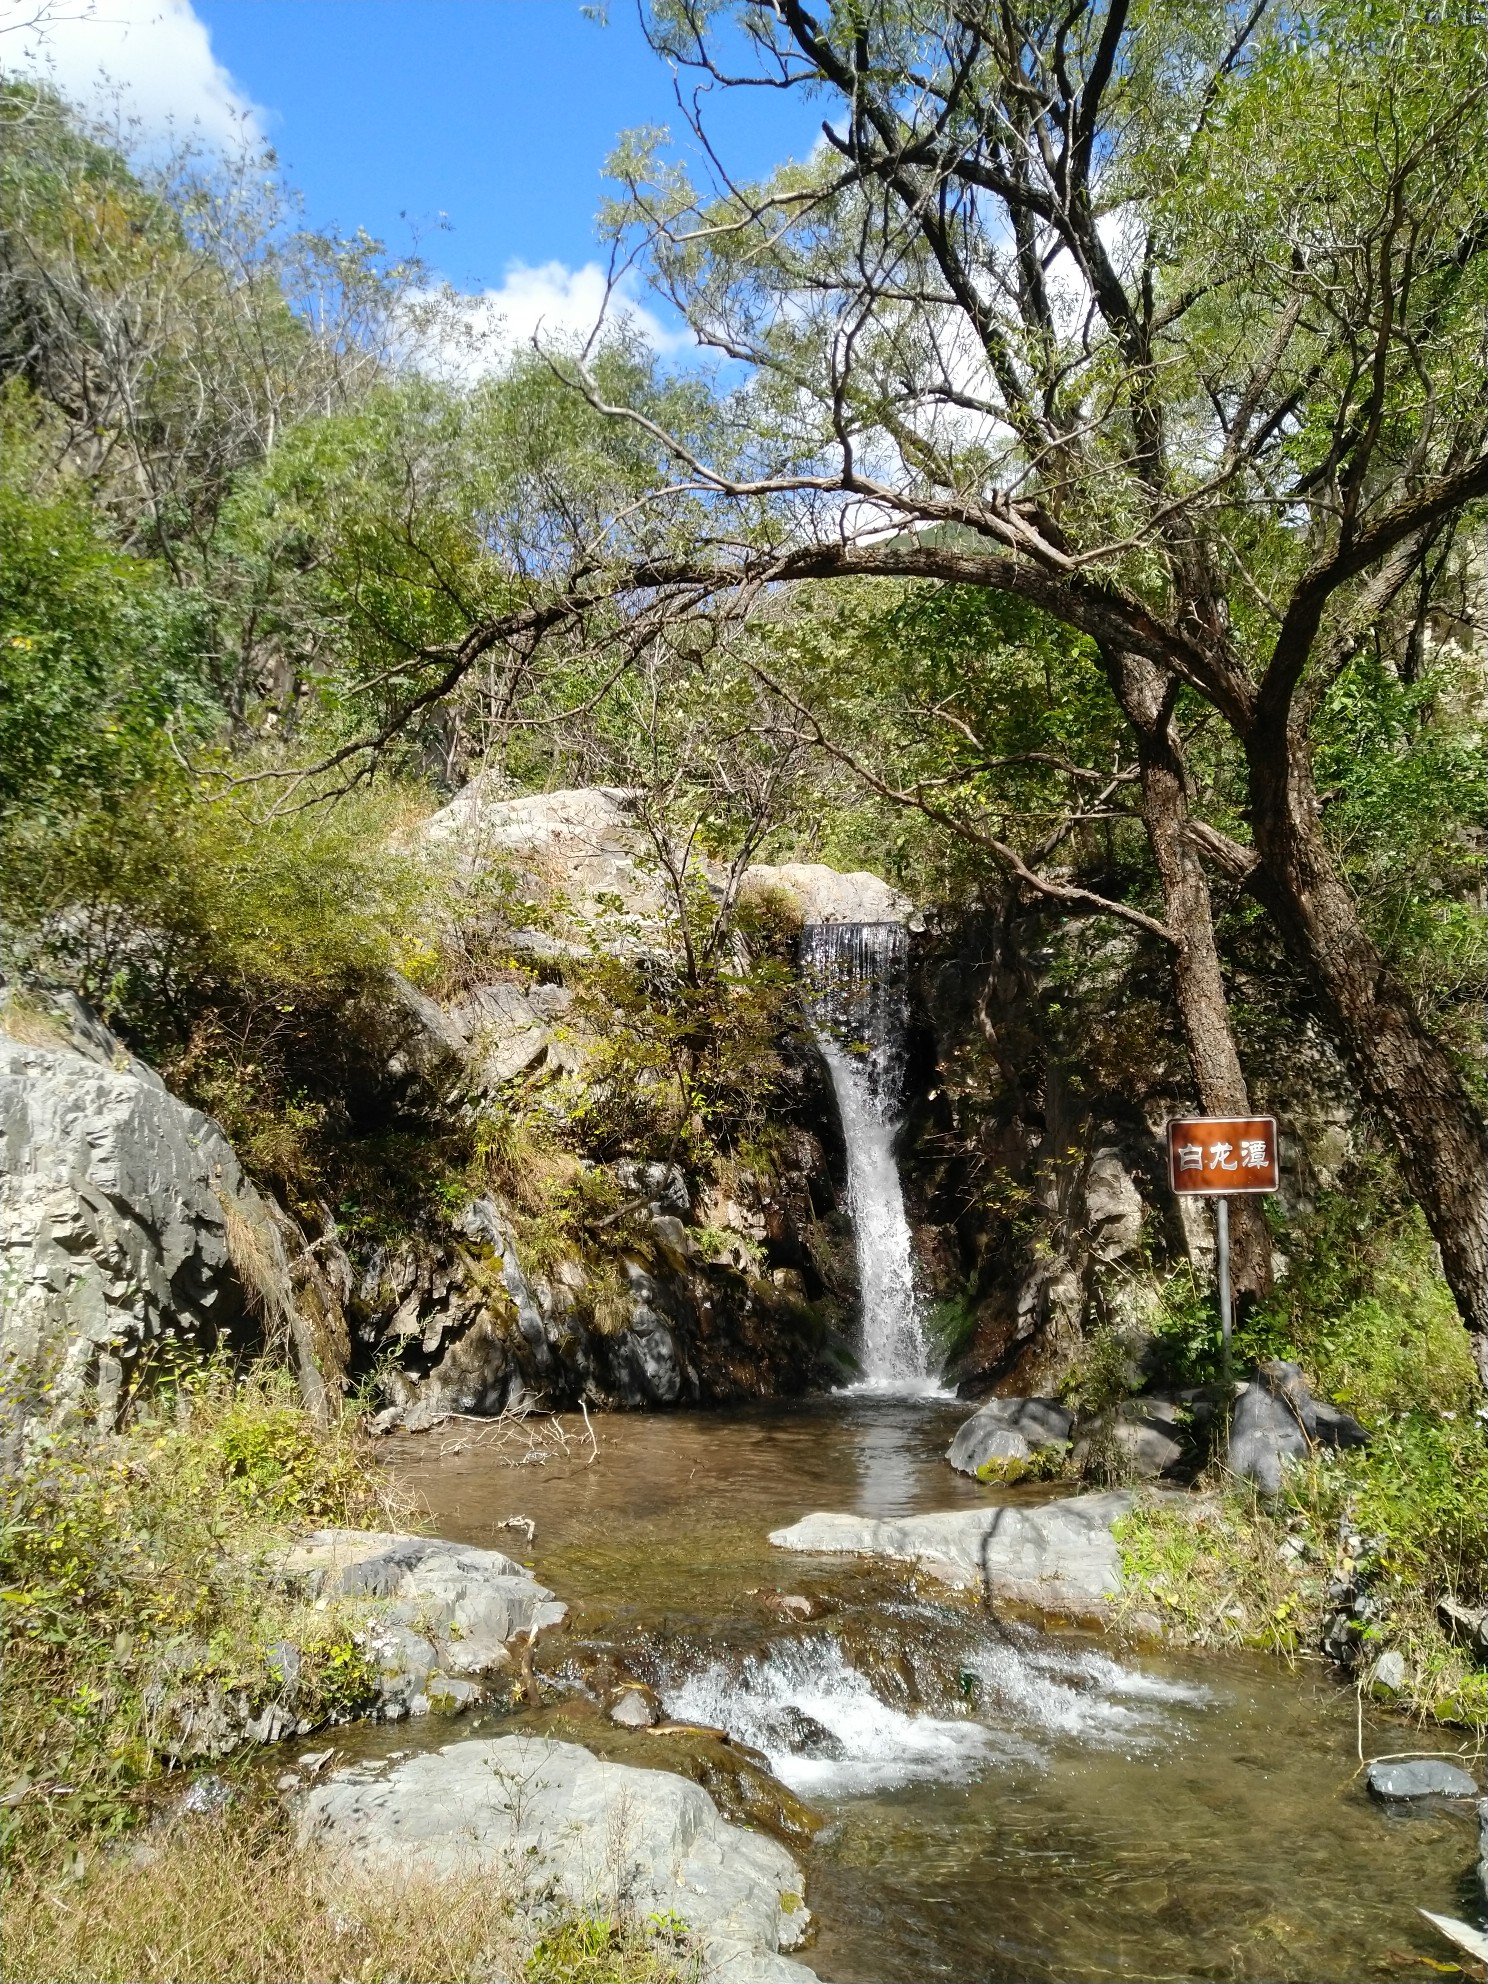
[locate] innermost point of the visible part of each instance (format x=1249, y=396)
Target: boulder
x=583, y=848
x=126, y=1225
x=1483, y=1846
x=1388, y=1676
x=633, y=1706
x=818, y=894
x=550, y=1818
x=1418, y=1777
x=451, y=1614
x=1009, y=1429
x=1135, y=1441
x=1061, y=1558
x=1276, y=1420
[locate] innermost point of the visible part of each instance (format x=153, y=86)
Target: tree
x=1176, y=315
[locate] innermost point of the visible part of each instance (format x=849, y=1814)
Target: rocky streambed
x=785, y=1657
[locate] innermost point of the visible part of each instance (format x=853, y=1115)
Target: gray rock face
x=451, y=1617
x=1061, y=1558
x=1113, y=1206
x=1009, y=1429
x=1423, y=1777
x=587, y=841
x=1483, y=1846
x=547, y=1815
x=125, y=1221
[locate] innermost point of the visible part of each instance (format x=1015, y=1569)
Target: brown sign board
x=1219, y=1155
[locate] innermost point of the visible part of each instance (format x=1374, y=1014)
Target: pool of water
x=1001, y=1803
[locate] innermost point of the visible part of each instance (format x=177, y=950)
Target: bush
x=134, y=1568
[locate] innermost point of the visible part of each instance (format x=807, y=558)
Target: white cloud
x=464, y=336
x=149, y=60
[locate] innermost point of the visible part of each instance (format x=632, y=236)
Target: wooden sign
x=1218, y=1155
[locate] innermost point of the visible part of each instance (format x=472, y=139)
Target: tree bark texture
x=1408, y=1076
x=1146, y=694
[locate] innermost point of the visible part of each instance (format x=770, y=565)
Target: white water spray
x=855, y=987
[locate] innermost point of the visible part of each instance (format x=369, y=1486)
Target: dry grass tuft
x=234, y=1900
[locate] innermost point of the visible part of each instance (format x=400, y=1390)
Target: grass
x=235, y=1900
x=137, y=1602
x=1405, y=1520
x=138, y=1591
x=1363, y=1308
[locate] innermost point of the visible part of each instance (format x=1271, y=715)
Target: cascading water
x=854, y=975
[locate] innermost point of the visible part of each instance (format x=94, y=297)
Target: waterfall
x=854, y=975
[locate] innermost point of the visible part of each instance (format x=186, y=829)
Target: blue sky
x=496, y=114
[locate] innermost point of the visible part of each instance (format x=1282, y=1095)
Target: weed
x=141, y=1622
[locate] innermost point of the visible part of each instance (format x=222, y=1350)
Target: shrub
x=134, y=1569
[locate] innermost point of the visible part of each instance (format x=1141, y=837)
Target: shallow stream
x=1001, y=1803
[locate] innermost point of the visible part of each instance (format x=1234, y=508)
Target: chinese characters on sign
x=1223, y=1154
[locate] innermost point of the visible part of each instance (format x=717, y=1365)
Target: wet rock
x=1061, y=1558
x=633, y=1707
x=791, y=1605
x=1483, y=1846
x=1418, y=1777
x=600, y=1834
x=207, y=1795
x=792, y=1729
x=1009, y=1429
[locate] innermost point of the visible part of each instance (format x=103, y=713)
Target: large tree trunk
x=1441, y=1135
x=1146, y=694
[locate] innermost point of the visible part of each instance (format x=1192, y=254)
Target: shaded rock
x=1268, y=1428
x=1332, y=1427
x=1137, y=1440
x=1483, y=1846
x=502, y=1030
x=603, y=1835
x=1466, y=1624
x=1061, y=1558
x=663, y=1186
x=1113, y=1206
x=1418, y=1777
x=1009, y=1429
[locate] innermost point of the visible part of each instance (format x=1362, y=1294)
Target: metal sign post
x=1215, y=1157
x=1222, y=1223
